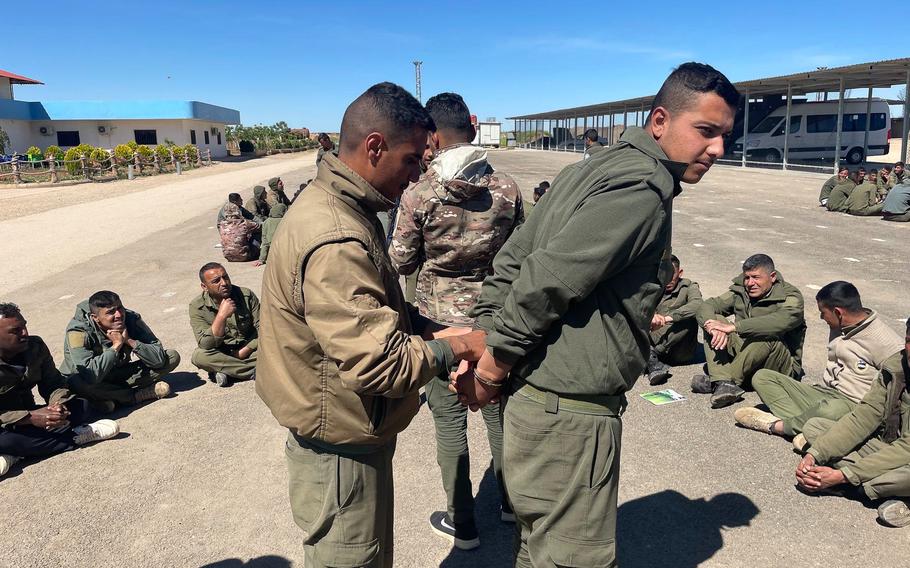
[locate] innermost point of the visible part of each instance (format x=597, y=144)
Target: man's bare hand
x=116, y=337
x=244, y=352
x=471, y=392
x=658, y=321
x=49, y=417
x=469, y=346
x=227, y=308
x=717, y=325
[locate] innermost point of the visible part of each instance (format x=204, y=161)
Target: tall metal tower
x=417, y=65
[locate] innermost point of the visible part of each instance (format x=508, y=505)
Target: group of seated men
x=853, y=427
x=111, y=358
x=884, y=192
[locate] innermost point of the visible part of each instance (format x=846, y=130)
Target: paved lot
x=199, y=479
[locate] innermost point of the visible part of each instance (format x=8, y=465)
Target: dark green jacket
x=682, y=303
x=574, y=289
x=779, y=315
x=268, y=230
x=863, y=196
x=87, y=350
x=863, y=422
x=240, y=330
x=827, y=187
x=34, y=367
x=839, y=195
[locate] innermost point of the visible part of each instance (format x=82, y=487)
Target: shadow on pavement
x=183, y=381
x=669, y=529
x=496, y=537
x=269, y=561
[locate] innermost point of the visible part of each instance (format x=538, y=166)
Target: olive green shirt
x=31, y=368
x=839, y=195
x=240, y=330
x=683, y=302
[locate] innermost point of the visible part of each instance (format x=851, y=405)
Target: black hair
x=842, y=168
x=759, y=261
x=694, y=79
x=234, y=197
x=449, y=112
x=840, y=294
x=675, y=261
x=542, y=188
x=10, y=310
x=206, y=267
x=323, y=136
x=385, y=108
x=591, y=134
x=887, y=167
x=103, y=299
x=901, y=164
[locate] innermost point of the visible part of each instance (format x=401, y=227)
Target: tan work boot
x=800, y=444
x=894, y=513
x=755, y=419
x=95, y=432
x=159, y=390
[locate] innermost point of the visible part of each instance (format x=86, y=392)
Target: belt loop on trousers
x=551, y=404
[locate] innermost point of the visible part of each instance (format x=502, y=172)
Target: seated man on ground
x=237, y=235
x=268, y=231
x=859, y=345
x=842, y=174
x=883, y=180
x=258, y=205
x=225, y=321
x=28, y=430
x=840, y=194
x=897, y=204
x=238, y=201
x=674, y=329
x=864, y=200
x=592, y=144
x=275, y=194
x=300, y=190
x=98, y=349
x=898, y=175
x=868, y=450
x=768, y=333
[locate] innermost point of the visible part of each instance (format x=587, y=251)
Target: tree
x=4, y=141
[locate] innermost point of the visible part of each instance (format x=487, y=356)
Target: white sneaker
x=6, y=462
x=95, y=432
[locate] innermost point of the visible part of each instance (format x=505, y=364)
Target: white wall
x=20, y=135
x=6, y=88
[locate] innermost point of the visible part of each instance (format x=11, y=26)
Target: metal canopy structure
x=880, y=74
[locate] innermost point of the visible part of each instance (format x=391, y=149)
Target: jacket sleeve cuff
x=851, y=476
x=7, y=419
x=500, y=353
x=253, y=344
x=59, y=396
x=442, y=352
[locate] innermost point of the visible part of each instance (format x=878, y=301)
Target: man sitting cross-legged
x=674, y=330
x=860, y=344
x=768, y=333
x=225, y=321
x=868, y=449
x=26, y=428
x=98, y=351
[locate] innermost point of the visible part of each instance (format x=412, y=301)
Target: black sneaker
x=464, y=535
x=725, y=394
x=701, y=384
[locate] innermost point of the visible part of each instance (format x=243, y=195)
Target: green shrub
x=132, y=145
x=192, y=152
x=164, y=155
x=72, y=157
x=144, y=152
x=100, y=157
x=53, y=152
x=34, y=153
x=123, y=152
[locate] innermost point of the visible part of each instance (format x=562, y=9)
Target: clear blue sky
x=303, y=62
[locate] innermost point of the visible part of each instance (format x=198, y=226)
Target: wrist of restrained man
x=488, y=380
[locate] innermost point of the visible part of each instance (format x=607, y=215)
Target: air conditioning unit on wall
x=102, y=130
x=46, y=130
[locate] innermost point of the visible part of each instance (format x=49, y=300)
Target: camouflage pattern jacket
x=450, y=225
x=236, y=235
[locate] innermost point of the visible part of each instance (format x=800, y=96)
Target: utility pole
x=417, y=65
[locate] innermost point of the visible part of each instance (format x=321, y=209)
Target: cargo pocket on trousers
x=344, y=555
x=576, y=553
x=306, y=486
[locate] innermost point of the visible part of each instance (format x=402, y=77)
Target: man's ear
x=680, y=272
x=660, y=121
x=375, y=145
x=773, y=276
x=435, y=138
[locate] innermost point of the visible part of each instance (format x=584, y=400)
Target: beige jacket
x=337, y=363
x=855, y=357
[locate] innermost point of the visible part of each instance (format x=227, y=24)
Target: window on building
x=148, y=137
x=206, y=135
x=192, y=136
x=67, y=138
x=219, y=138
x=821, y=123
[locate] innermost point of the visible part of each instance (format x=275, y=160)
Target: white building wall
x=6, y=88
x=20, y=135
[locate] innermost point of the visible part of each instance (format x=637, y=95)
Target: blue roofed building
x=106, y=124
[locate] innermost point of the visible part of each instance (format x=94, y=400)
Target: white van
x=813, y=132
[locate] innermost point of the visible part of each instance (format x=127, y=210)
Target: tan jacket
x=856, y=357
x=337, y=363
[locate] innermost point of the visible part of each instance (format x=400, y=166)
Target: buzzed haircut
x=234, y=197
x=887, y=168
x=10, y=310
x=901, y=164
x=591, y=134
x=206, y=267
x=908, y=326
x=843, y=169
x=840, y=294
x=385, y=108
x=450, y=113
x=675, y=261
x=759, y=261
x=873, y=171
x=103, y=299
x=680, y=89
x=323, y=136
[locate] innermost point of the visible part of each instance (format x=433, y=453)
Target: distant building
x=108, y=123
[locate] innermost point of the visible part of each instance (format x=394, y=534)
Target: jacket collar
x=855, y=329
x=209, y=302
x=775, y=294
x=639, y=138
x=343, y=182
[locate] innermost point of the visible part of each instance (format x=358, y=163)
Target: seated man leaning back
x=674, y=329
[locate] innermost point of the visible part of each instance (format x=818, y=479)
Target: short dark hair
x=842, y=169
x=10, y=310
x=450, y=112
x=873, y=171
x=887, y=168
x=675, y=261
x=386, y=108
x=591, y=134
x=323, y=136
x=103, y=299
x=840, y=294
x=901, y=164
x=206, y=267
x=694, y=79
x=759, y=261
x=542, y=187
x=234, y=197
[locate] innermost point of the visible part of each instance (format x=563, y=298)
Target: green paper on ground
x=665, y=396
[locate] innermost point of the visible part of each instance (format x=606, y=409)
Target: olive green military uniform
x=883, y=184
x=258, y=205
x=769, y=332
x=275, y=194
x=322, y=152
x=825, y=193
x=99, y=373
x=839, y=195
x=219, y=354
x=268, y=230
x=569, y=306
x=675, y=343
x=864, y=200
x=871, y=451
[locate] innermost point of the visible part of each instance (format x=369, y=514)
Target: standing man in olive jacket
x=568, y=309
x=768, y=333
x=339, y=365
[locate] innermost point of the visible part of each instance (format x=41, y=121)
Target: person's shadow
x=496, y=537
x=669, y=529
x=269, y=561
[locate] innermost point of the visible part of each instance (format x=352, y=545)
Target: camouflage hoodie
x=450, y=225
x=236, y=235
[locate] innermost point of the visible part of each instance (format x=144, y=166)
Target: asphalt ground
x=199, y=479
